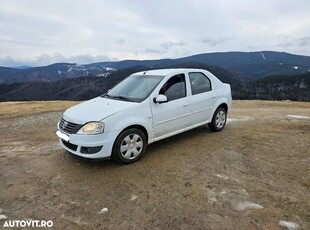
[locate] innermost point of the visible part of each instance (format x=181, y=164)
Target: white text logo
x=28, y=223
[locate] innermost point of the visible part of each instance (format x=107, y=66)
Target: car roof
x=167, y=71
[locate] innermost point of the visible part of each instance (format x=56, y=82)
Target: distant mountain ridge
x=54, y=72
x=23, y=67
x=83, y=88
x=294, y=87
x=255, y=75
x=246, y=65
x=256, y=65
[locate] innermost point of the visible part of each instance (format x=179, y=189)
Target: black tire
x=129, y=146
x=218, y=120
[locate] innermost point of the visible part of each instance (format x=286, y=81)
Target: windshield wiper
x=121, y=98
x=105, y=95
x=118, y=97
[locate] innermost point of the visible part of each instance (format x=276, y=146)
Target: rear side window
x=174, y=88
x=200, y=83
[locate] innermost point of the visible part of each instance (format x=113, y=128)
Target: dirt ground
x=252, y=175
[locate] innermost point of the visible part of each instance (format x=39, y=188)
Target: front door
x=172, y=116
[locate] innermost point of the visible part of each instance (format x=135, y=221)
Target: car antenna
x=144, y=72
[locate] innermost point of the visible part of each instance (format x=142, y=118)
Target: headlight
x=92, y=128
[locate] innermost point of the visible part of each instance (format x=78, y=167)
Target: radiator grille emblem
x=64, y=125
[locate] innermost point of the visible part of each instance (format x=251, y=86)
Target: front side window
x=200, y=83
x=174, y=88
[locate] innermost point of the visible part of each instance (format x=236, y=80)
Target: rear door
x=171, y=116
x=201, y=99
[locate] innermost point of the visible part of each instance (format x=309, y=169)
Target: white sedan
x=145, y=107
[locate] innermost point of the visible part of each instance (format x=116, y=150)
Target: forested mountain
x=279, y=87
x=252, y=75
x=246, y=65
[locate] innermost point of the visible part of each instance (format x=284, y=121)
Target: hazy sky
x=41, y=32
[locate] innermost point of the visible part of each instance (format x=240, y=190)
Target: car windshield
x=135, y=88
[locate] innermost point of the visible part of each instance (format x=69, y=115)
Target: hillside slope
x=279, y=87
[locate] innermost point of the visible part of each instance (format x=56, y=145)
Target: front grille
x=69, y=127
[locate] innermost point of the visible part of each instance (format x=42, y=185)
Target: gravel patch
x=31, y=121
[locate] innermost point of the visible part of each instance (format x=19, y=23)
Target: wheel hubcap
x=220, y=119
x=131, y=146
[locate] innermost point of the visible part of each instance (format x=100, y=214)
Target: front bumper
x=88, y=146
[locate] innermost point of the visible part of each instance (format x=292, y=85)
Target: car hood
x=95, y=110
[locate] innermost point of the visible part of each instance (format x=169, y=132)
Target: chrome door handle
x=185, y=105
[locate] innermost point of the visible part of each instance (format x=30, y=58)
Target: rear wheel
x=219, y=120
x=129, y=146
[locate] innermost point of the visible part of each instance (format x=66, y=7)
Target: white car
x=145, y=107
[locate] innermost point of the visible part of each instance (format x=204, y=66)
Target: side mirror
x=160, y=99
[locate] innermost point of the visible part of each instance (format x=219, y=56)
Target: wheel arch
x=212, y=124
x=224, y=106
x=136, y=126
x=221, y=102
x=116, y=155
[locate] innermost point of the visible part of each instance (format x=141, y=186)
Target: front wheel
x=219, y=120
x=129, y=146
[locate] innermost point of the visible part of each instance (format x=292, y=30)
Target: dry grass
x=260, y=103
x=17, y=109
